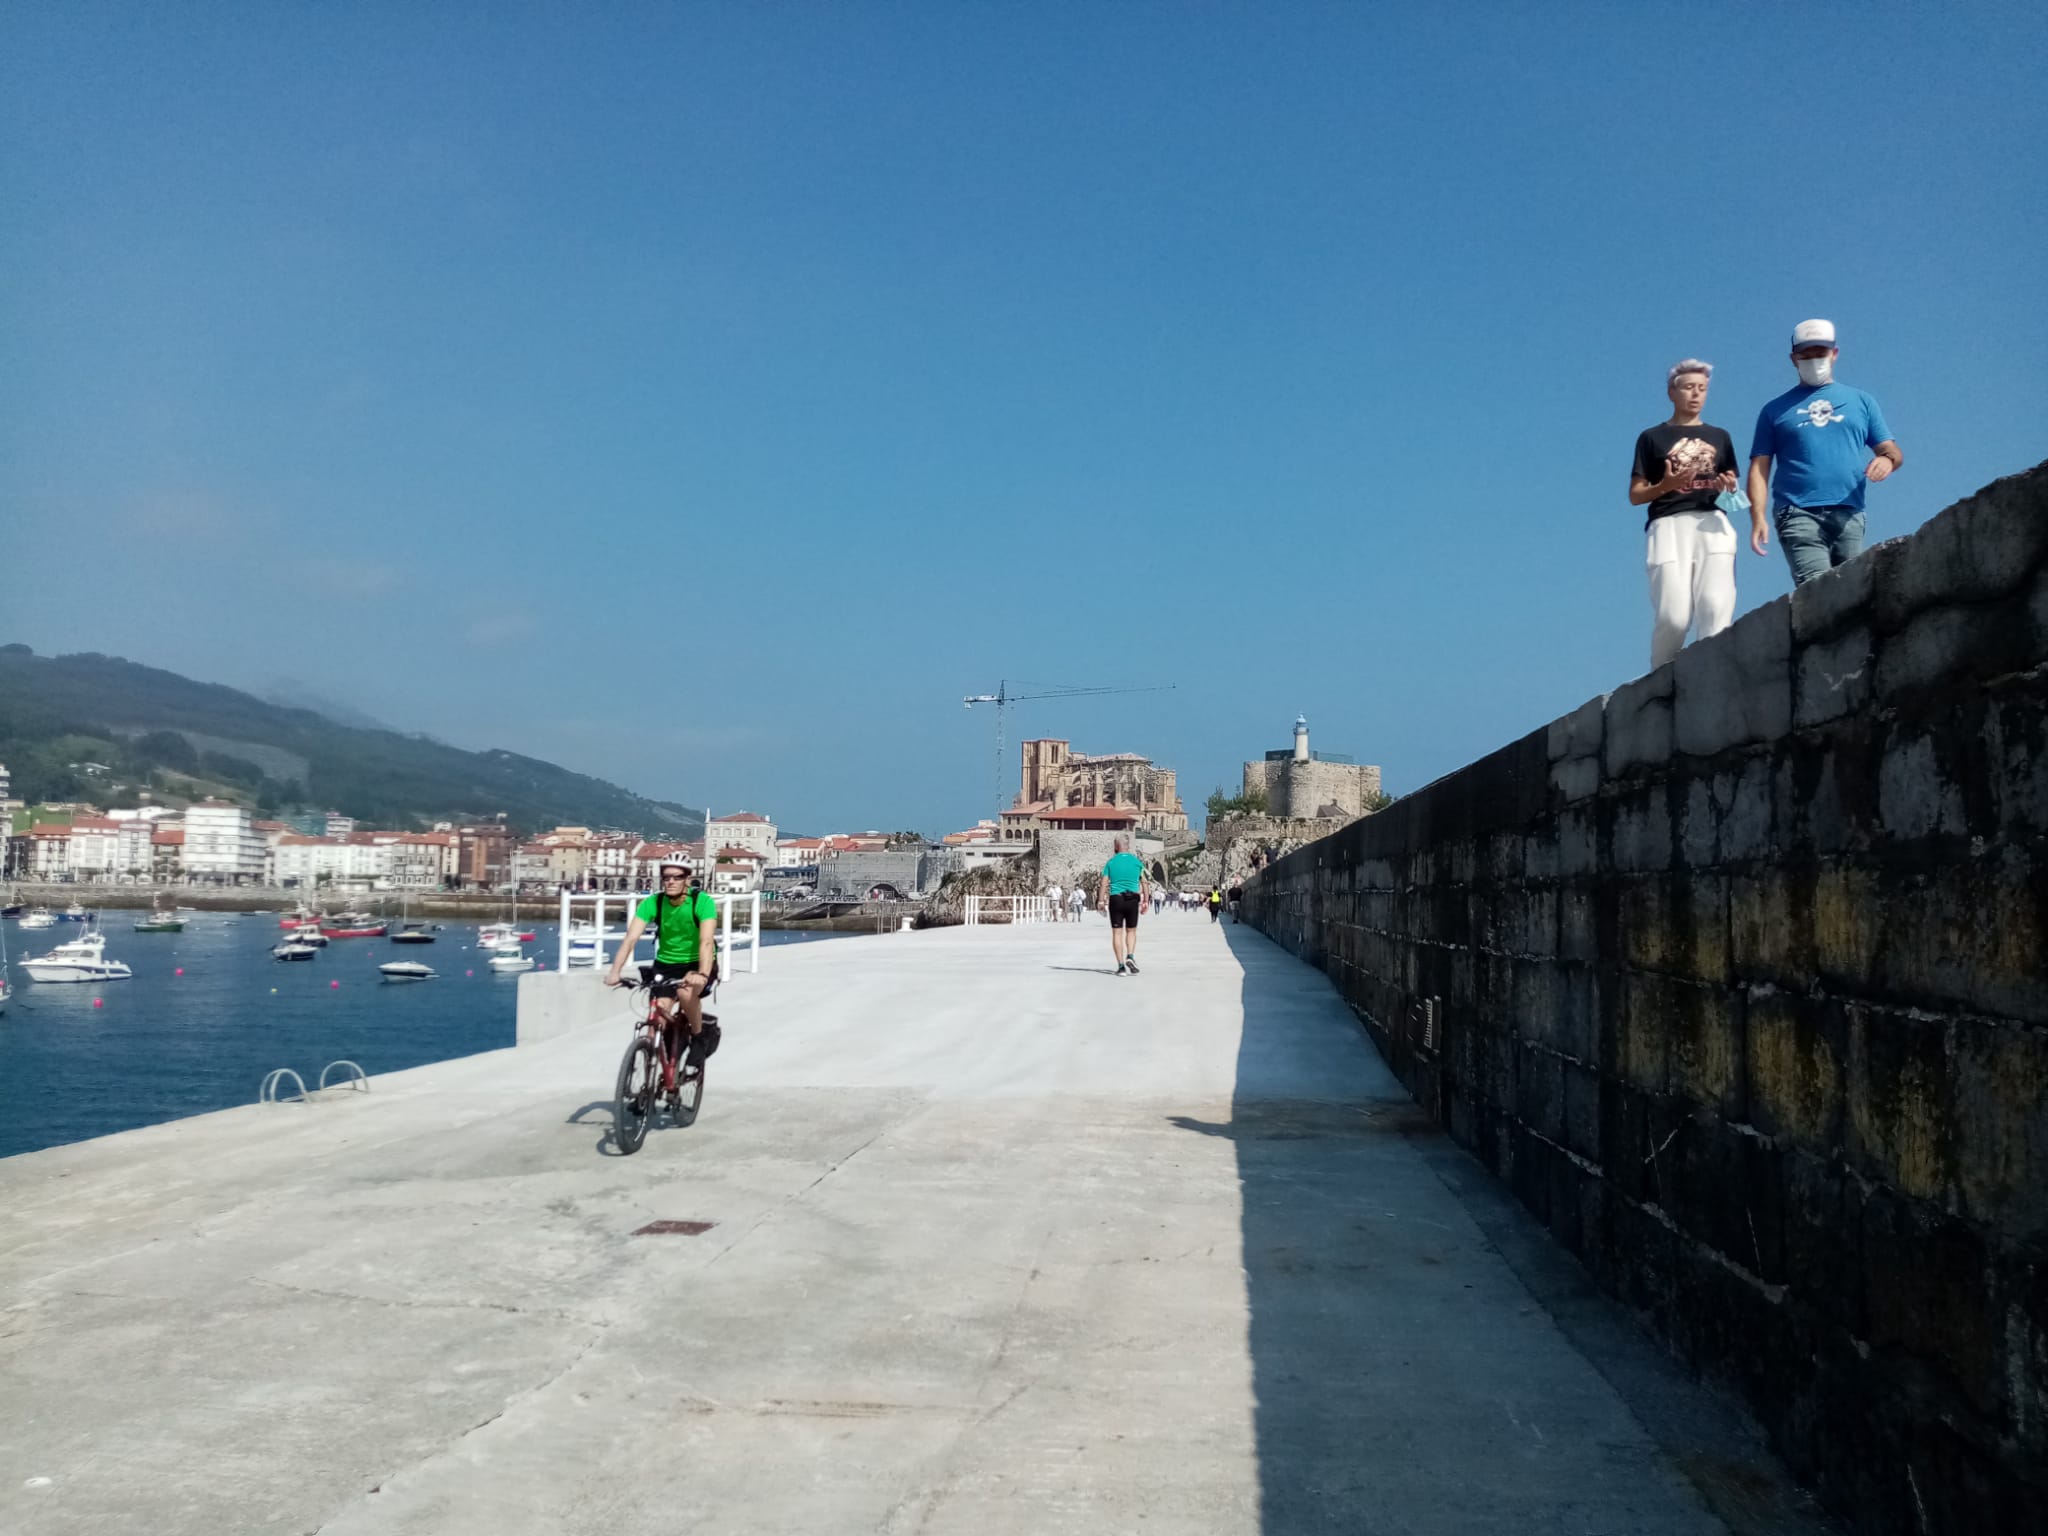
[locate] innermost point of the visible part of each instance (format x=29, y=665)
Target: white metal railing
x=1010, y=909
x=594, y=907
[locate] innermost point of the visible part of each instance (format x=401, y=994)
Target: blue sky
x=708, y=396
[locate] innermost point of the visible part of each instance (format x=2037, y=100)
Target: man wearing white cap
x=1681, y=466
x=1829, y=442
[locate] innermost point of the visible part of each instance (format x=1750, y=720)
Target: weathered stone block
x=1943, y=648
x=1578, y=842
x=1641, y=836
x=1582, y=1111
x=1849, y=924
x=1977, y=550
x=1736, y=688
x=1748, y=808
x=1834, y=677
x=1999, y=1128
x=1835, y=599
x=1794, y=1065
x=1575, y=778
x=1927, y=1289
x=1771, y=926
x=1821, y=1214
x=1638, y=733
x=1706, y=1047
x=1539, y=855
x=1972, y=933
x=1540, y=1086
x=1578, y=932
x=1897, y=1098
x=1579, y=1012
x=1580, y=733
x=1536, y=1009
x=1915, y=797
x=1644, y=1058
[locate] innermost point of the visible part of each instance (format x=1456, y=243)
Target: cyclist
x=685, y=921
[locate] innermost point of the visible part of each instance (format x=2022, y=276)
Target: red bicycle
x=662, y=1051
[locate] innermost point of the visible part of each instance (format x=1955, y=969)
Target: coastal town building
x=742, y=829
x=736, y=871
x=798, y=852
x=166, y=852
x=222, y=844
x=1053, y=775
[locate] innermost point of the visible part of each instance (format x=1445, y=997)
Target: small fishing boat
x=362, y=930
x=161, y=919
x=15, y=906
x=406, y=970
x=309, y=936
x=81, y=959
x=293, y=949
x=73, y=913
x=512, y=962
x=39, y=917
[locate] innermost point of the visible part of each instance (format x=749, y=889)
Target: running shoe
x=1133, y=966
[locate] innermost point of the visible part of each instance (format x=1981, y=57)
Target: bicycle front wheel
x=639, y=1084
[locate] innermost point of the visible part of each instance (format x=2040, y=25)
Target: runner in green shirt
x=1125, y=882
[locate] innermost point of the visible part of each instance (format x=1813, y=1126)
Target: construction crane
x=1003, y=698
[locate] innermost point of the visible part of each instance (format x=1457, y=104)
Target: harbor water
x=208, y=1014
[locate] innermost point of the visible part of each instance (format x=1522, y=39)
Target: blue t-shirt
x=1819, y=440
x=1126, y=872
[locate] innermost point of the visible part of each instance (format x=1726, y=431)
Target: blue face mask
x=1734, y=503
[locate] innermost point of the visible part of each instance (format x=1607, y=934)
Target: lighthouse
x=1301, y=738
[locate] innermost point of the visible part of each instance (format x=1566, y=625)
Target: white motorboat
x=82, y=959
x=499, y=938
x=407, y=970
x=583, y=943
x=293, y=949
x=39, y=917
x=310, y=936
x=512, y=962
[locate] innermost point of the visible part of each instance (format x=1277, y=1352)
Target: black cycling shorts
x=1123, y=909
x=662, y=980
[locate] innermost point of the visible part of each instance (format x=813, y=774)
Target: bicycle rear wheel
x=639, y=1084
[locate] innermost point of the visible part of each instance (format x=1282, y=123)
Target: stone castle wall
x=1295, y=789
x=1739, y=977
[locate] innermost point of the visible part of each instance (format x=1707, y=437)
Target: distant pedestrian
x=1681, y=467
x=1237, y=903
x=1830, y=443
x=1125, y=880
x=1056, y=896
x=1215, y=903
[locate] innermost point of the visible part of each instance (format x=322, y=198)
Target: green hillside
x=178, y=739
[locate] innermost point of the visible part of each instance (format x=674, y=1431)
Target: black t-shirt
x=1706, y=450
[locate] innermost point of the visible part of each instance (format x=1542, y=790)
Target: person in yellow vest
x=1215, y=903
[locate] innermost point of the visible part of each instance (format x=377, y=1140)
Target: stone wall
x=855, y=874
x=1063, y=855
x=1739, y=977
x=1295, y=789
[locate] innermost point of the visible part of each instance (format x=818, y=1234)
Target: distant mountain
x=291, y=695
x=74, y=727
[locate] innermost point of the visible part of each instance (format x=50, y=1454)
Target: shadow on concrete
x=1424, y=1357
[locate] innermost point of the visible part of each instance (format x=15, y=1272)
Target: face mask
x=1815, y=370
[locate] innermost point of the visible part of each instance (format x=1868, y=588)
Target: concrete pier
x=998, y=1242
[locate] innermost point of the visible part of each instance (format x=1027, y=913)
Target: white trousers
x=1692, y=579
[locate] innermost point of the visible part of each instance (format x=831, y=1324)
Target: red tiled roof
x=740, y=816
x=167, y=837
x=95, y=824
x=50, y=829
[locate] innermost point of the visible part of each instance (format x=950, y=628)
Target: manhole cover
x=674, y=1228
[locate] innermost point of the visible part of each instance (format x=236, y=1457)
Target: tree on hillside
x=1253, y=804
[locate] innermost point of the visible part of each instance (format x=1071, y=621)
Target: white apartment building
x=222, y=844
x=742, y=829
x=134, y=852
x=736, y=871
x=49, y=851
x=530, y=864
x=798, y=852
x=95, y=846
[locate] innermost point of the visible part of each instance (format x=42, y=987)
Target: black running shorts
x=663, y=980
x=1123, y=909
